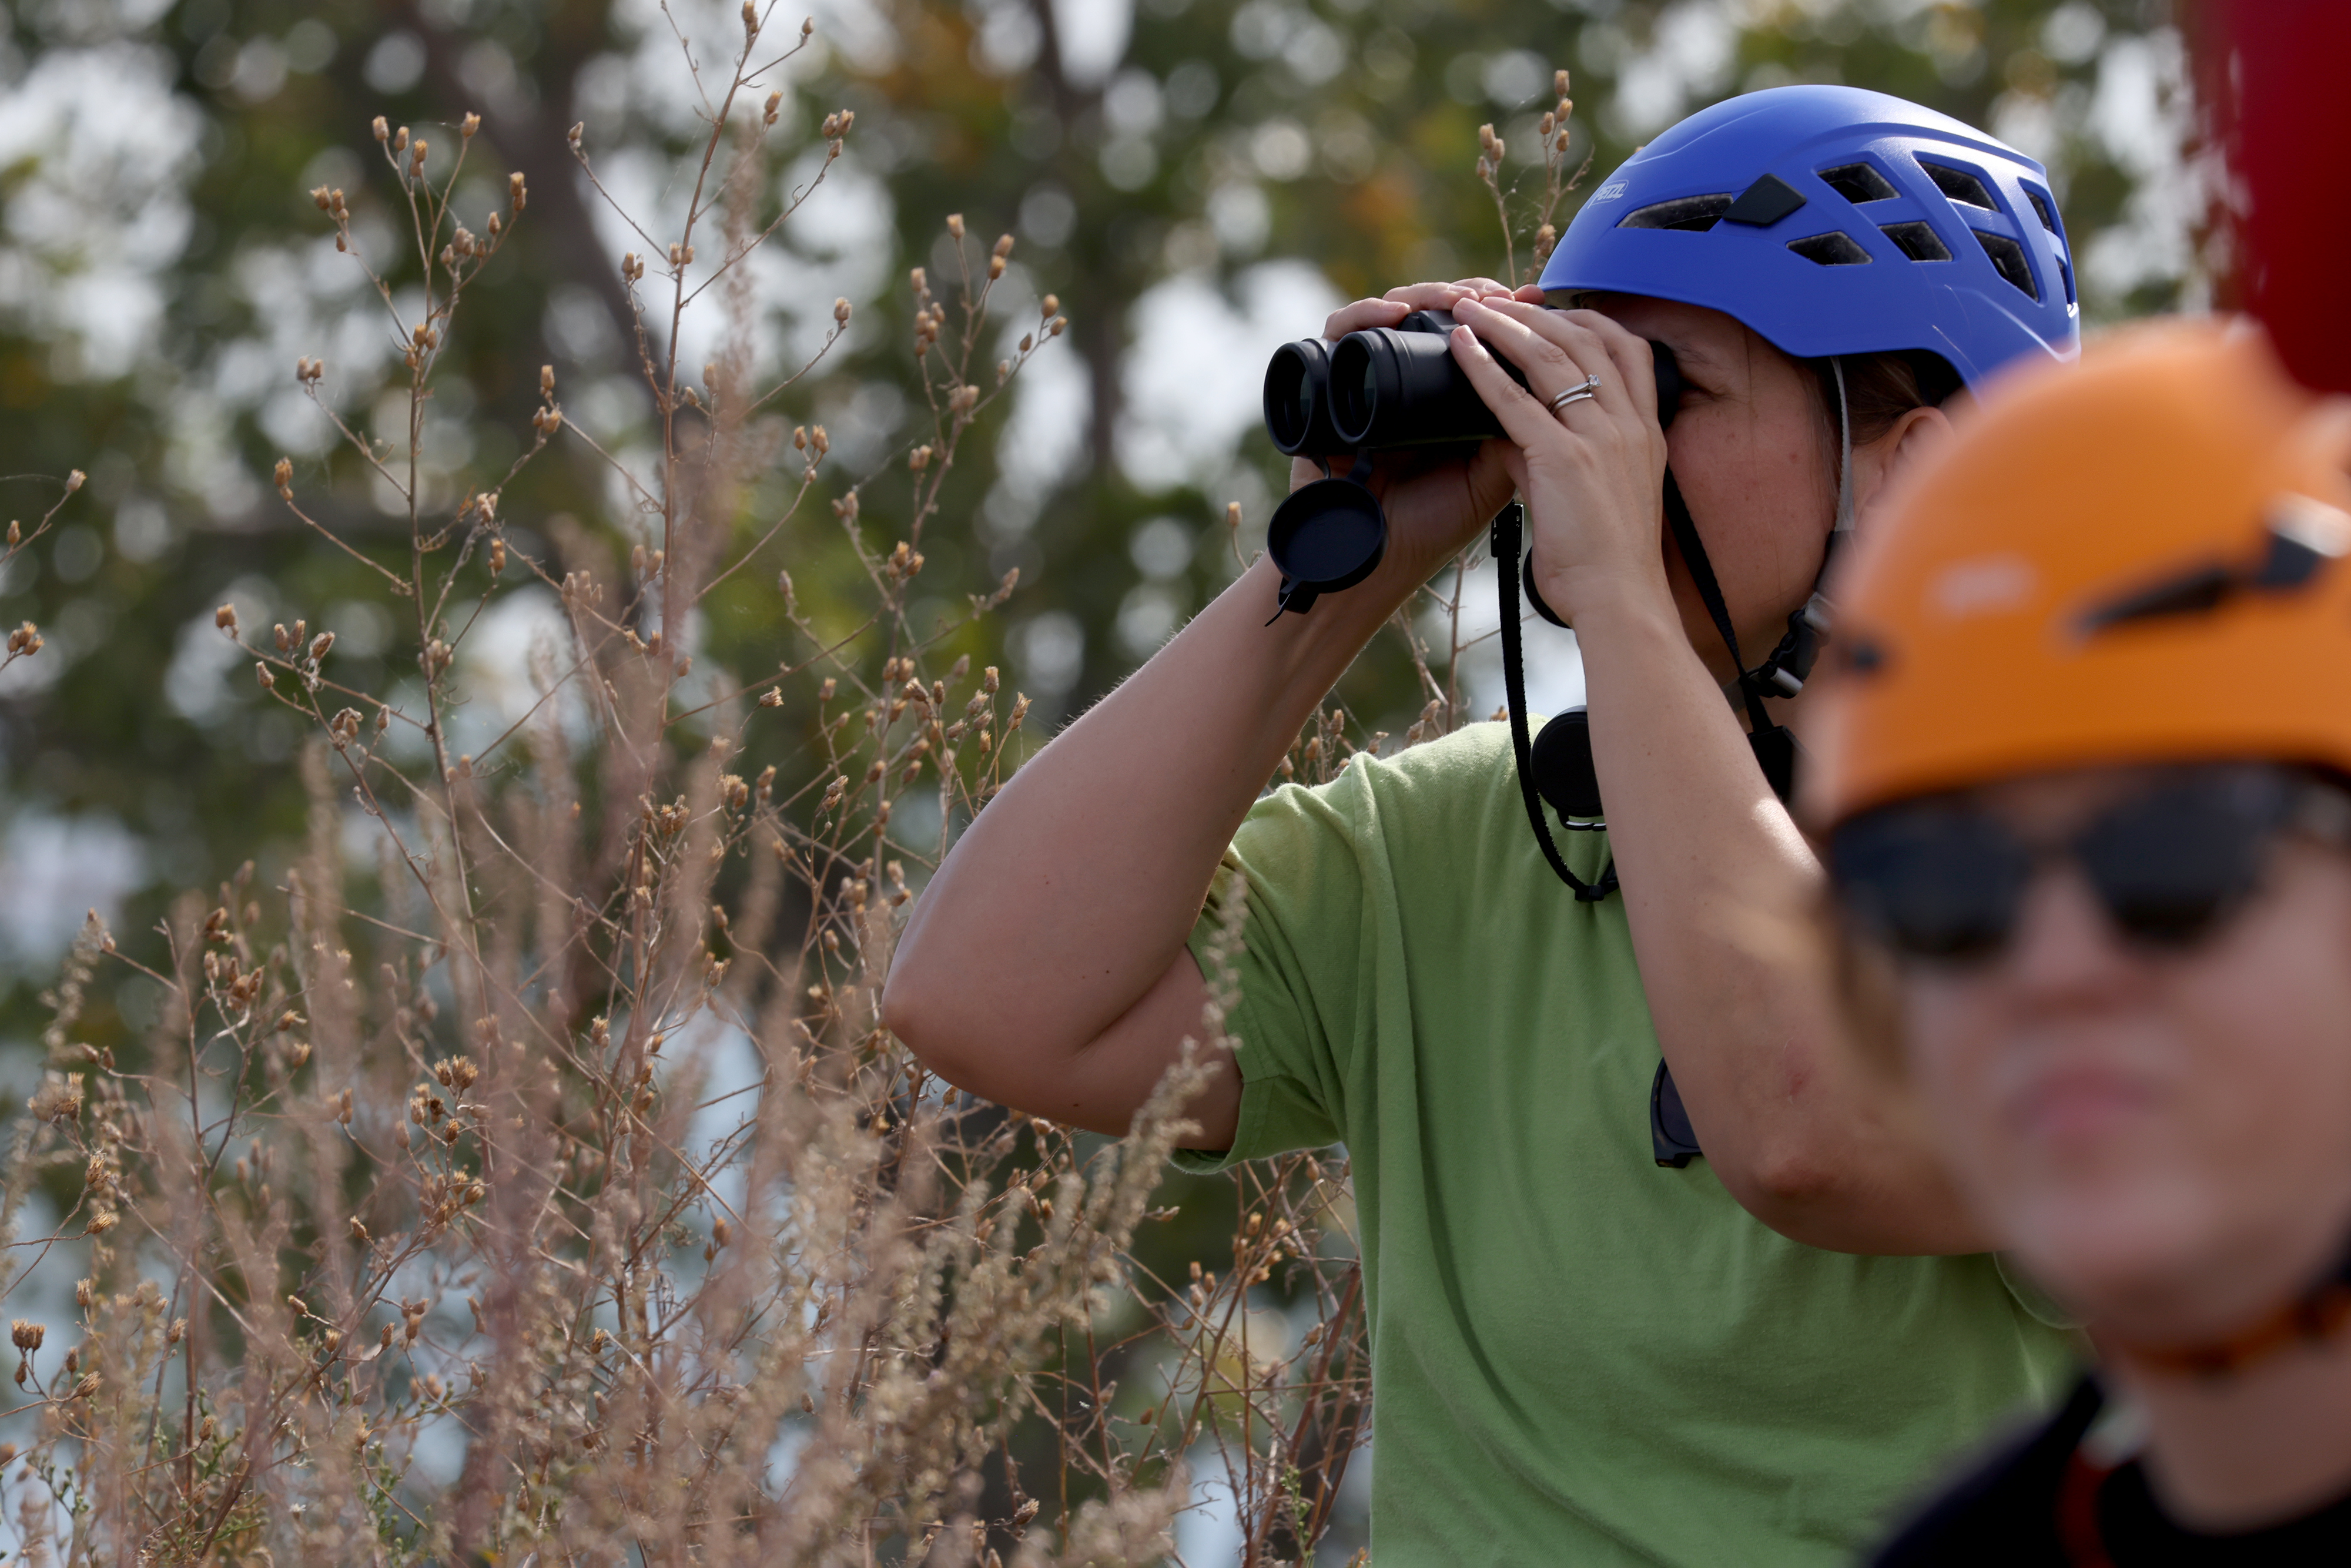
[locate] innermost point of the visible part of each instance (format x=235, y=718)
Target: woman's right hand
x=1435, y=501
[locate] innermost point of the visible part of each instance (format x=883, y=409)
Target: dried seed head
x=15, y=532
x=225, y=619
x=579, y=130
x=750, y=20
x=1050, y=306
x=469, y=125
x=284, y=475
x=955, y=224
x=775, y=105
x=382, y=131
x=27, y=1334
x=517, y=194
x=321, y=644
x=1057, y=326
x=283, y=638
x=26, y=639
x=497, y=557
x=400, y=139
x=840, y=311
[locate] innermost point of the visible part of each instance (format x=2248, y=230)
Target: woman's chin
x=2152, y=1262
x=2126, y=1256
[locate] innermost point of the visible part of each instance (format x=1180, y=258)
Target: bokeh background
x=1197, y=180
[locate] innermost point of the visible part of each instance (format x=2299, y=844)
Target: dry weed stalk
x=1444, y=712
x=440, y=1168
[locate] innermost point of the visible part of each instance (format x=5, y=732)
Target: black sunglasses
x=1943, y=879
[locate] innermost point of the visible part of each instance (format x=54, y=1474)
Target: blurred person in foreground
x=2082, y=767
x=1583, y=1350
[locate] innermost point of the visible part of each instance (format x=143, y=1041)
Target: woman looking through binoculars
x=1578, y=1354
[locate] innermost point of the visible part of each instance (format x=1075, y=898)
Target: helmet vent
x=1918, y=241
x=2008, y=260
x=1960, y=187
x=2042, y=210
x=1858, y=182
x=1834, y=248
x=1694, y=213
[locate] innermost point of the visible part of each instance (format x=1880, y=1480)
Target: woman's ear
x=1918, y=432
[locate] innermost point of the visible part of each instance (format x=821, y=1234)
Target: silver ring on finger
x=1576, y=393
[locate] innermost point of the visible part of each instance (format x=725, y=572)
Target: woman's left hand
x=1592, y=472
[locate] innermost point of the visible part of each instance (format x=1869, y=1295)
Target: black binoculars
x=1371, y=390
x=1386, y=386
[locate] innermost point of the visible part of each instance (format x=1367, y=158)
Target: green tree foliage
x=174, y=151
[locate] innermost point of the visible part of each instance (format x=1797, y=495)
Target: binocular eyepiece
x=1371, y=390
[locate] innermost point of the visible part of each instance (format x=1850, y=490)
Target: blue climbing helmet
x=1835, y=220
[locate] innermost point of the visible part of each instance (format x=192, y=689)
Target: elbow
x=912, y=1017
x=926, y=1018
x=1786, y=1183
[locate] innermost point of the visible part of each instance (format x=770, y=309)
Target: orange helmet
x=2137, y=559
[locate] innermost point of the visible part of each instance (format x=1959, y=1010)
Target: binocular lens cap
x=1563, y=773
x=1327, y=536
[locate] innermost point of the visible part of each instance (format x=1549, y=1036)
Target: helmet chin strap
x=2318, y=1314
x=1784, y=669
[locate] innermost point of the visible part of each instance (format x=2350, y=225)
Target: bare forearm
x=1066, y=900
x=1719, y=890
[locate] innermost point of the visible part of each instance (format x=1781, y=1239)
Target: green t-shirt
x=1578, y=1356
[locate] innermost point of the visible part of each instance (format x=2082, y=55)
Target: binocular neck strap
x=1504, y=540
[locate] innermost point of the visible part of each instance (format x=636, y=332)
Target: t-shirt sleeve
x=1296, y=860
